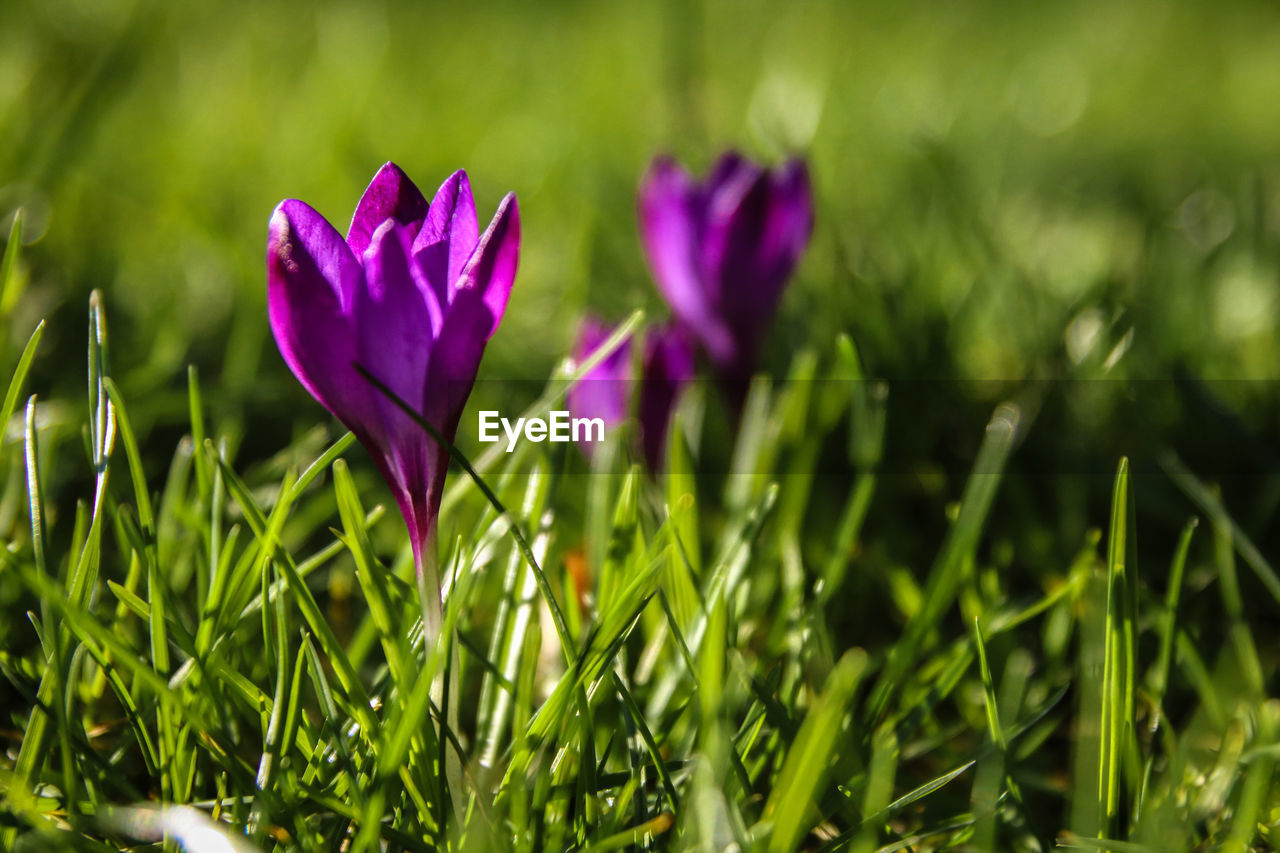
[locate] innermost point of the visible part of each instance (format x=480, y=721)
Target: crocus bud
x=606, y=391
x=667, y=368
x=722, y=250
x=412, y=294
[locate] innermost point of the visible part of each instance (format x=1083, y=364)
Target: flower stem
x=427, y=558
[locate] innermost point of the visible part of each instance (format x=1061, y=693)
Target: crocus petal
x=393, y=322
x=730, y=170
x=668, y=367
x=790, y=221
x=449, y=235
x=756, y=234
x=671, y=210
x=414, y=469
x=605, y=392
x=312, y=282
x=736, y=217
x=390, y=195
x=455, y=359
x=734, y=181
x=492, y=268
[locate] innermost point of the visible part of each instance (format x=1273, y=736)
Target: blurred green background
x=1076, y=204
x=981, y=169
x=1004, y=191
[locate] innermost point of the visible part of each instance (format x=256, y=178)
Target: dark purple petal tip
x=390, y=195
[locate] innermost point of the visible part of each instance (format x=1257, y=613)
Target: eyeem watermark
x=558, y=427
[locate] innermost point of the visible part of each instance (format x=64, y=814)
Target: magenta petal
x=492, y=269
x=455, y=359
x=668, y=228
x=762, y=244
x=668, y=367
x=393, y=321
x=737, y=213
x=449, y=235
x=390, y=195
x=748, y=255
x=732, y=169
x=790, y=221
x=605, y=392
x=671, y=214
x=312, y=281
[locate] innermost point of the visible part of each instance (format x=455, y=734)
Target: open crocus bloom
x=412, y=294
x=722, y=250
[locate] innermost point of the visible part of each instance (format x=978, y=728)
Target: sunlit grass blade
x=11, y=278
x=879, y=787
x=515, y=619
x=868, y=401
x=370, y=574
x=31, y=752
x=1117, y=708
x=746, y=476
x=949, y=567
x=791, y=806
x=19, y=377
x=681, y=482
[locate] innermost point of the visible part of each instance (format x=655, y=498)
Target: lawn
x=980, y=555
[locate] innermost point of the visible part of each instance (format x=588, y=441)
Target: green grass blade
x=879, y=788
x=791, y=806
x=31, y=752
x=11, y=283
x=370, y=574
x=994, y=729
x=1211, y=505
x=655, y=753
x=1116, y=723
x=1169, y=621
x=949, y=568
x=18, y=378
x=142, y=494
x=1233, y=605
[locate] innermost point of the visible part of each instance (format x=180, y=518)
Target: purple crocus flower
x=666, y=369
x=605, y=392
x=412, y=294
x=722, y=250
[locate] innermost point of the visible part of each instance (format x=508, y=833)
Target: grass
x=986, y=562
x=196, y=645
